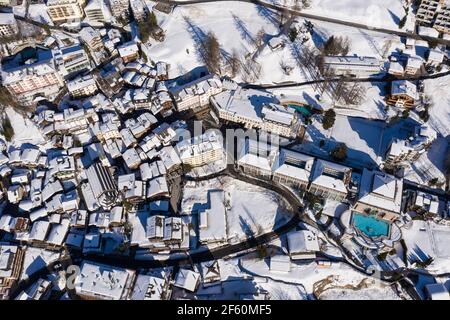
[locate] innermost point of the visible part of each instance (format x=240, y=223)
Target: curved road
x=220, y=252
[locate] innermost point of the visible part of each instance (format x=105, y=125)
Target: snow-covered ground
x=438, y=90
x=236, y=26
x=375, y=13
x=252, y=210
x=25, y=131
x=342, y=281
x=428, y=239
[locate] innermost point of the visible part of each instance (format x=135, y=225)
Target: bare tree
x=235, y=63
x=259, y=40
x=336, y=45
x=212, y=53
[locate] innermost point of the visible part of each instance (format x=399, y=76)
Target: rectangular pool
x=370, y=226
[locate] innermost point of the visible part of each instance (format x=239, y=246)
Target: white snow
x=253, y=210
x=25, y=131
x=36, y=259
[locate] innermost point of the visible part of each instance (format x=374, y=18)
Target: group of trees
x=150, y=28
x=335, y=46
x=211, y=53
x=6, y=128
x=328, y=119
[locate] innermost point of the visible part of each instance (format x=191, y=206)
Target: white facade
x=65, y=10
x=8, y=25
x=352, y=65
x=252, y=109
x=197, y=93
x=201, y=150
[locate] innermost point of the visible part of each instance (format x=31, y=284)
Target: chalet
x=403, y=94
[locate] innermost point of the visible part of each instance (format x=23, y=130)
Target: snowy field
x=25, y=131
x=253, y=210
x=427, y=239
x=236, y=26
x=342, y=281
x=438, y=90
x=375, y=13
x=367, y=140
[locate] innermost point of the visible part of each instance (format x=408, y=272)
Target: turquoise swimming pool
x=370, y=226
x=304, y=110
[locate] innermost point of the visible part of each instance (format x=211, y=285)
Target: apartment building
x=139, y=9
x=72, y=60
x=196, y=94
x=352, y=65
x=436, y=14
x=330, y=180
x=402, y=152
x=256, y=159
x=292, y=168
x=95, y=11
x=11, y=260
x=258, y=110
x=201, y=150
x=128, y=51
x=120, y=9
x=82, y=86
x=8, y=25
x=442, y=23
x=103, y=282
x=61, y=11
x=427, y=11
x=31, y=75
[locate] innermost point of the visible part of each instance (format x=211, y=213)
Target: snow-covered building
x=8, y=25
x=292, y=168
x=31, y=74
x=128, y=51
x=61, y=11
x=104, y=282
x=120, y=9
x=435, y=57
x=197, y=93
x=11, y=258
x=442, y=22
x=149, y=287
x=437, y=291
x=256, y=159
x=95, y=11
x=139, y=10
x=302, y=244
x=132, y=190
x=427, y=11
x=379, y=194
x=201, y=150
x=424, y=202
x=352, y=65
x=414, y=66
x=212, y=222
x=82, y=86
x=102, y=185
x=402, y=152
x=403, y=94
x=187, y=279
x=71, y=60
x=330, y=180
x=257, y=109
